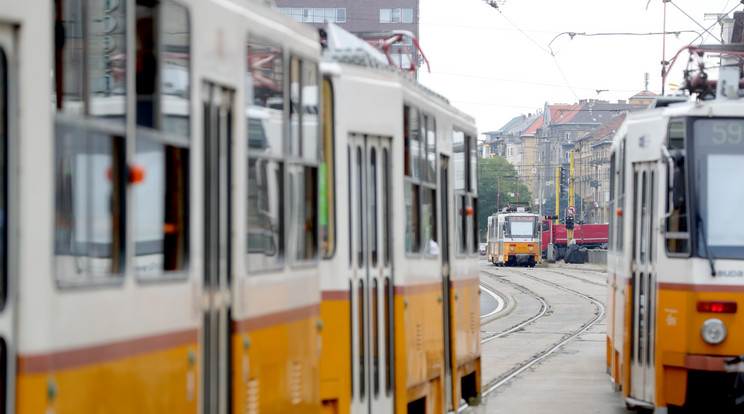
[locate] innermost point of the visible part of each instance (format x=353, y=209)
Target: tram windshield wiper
x=708, y=253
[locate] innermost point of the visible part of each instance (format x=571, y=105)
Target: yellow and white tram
x=676, y=259
x=514, y=237
x=199, y=213
x=402, y=282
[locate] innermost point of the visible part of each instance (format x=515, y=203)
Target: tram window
x=266, y=168
x=375, y=340
x=309, y=112
x=429, y=220
x=643, y=218
x=413, y=233
x=327, y=174
x=386, y=206
x=3, y=179
x=416, y=146
x=362, y=341
x=652, y=218
x=473, y=165
x=613, y=204
x=620, y=195
x=474, y=226
x=294, y=108
x=90, y=76
x=431, y=150
x=407, y=140
x=161, y=200
x=677, y=233
x=373, y=249
x=358, y=171
x=458, y=143
x=90, y=185
x=388, y=337
x=462, y=241
x=146, y=64
x=302, y=223
x=351, y=204
x=304, y=153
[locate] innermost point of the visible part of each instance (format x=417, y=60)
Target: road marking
x=497, y=298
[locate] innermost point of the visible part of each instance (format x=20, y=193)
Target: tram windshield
x=521, y=226
x=719, y=153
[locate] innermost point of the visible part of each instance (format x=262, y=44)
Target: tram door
x=445, y=250
x=8, y=268
x=643, y=283
x=215, y=338
x=371, y=274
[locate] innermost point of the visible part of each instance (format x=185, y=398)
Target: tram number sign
x=571, y=210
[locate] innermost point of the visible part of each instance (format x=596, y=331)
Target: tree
x=497, y=186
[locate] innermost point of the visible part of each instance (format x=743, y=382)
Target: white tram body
x=135, y=277
x=191, y=218
x=406, y=188
x=676, y=256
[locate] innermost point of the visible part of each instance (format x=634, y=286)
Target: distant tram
x=514, y=237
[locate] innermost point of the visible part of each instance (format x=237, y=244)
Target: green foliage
x=497, y=185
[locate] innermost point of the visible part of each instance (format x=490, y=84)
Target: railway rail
x=536, y=297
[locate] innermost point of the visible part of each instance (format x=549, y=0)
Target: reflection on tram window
x=302, y=223
x=161, y=208
x=265, y=237
x=310, y=127
x=89, y=205
x=265, y=99
x=264, y=110
x=91, y=48
x=161, y=215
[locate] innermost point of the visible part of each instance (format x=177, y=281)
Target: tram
x=675, y=260
x=199, y=213
x=403, y=287
x=514, y=237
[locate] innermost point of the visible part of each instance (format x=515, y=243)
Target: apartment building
x=372, y=21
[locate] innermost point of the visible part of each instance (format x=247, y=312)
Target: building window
x=385, y=16
x=341, y=15
x=297, y=14
x=396, y=15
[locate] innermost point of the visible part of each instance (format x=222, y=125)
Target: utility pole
x=557, y=192
x=498, y=193
x=570, y=196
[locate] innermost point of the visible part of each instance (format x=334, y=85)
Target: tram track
x=603, y=282
x=545, y=309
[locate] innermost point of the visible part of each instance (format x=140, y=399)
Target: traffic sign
x=571, y=210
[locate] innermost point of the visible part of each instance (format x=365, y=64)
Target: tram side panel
x=276, y=321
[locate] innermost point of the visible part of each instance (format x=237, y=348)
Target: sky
x=496, y=64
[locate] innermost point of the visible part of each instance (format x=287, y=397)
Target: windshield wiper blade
x=708, y=253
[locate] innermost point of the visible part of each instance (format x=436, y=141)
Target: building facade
x=373, y=21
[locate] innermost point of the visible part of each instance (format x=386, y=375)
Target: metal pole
x=557, y=192
x=571, y=192
x=498, y=194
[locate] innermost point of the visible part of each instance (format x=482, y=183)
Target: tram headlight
x=713, y=331
x=532, y=249
x=511, y=248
